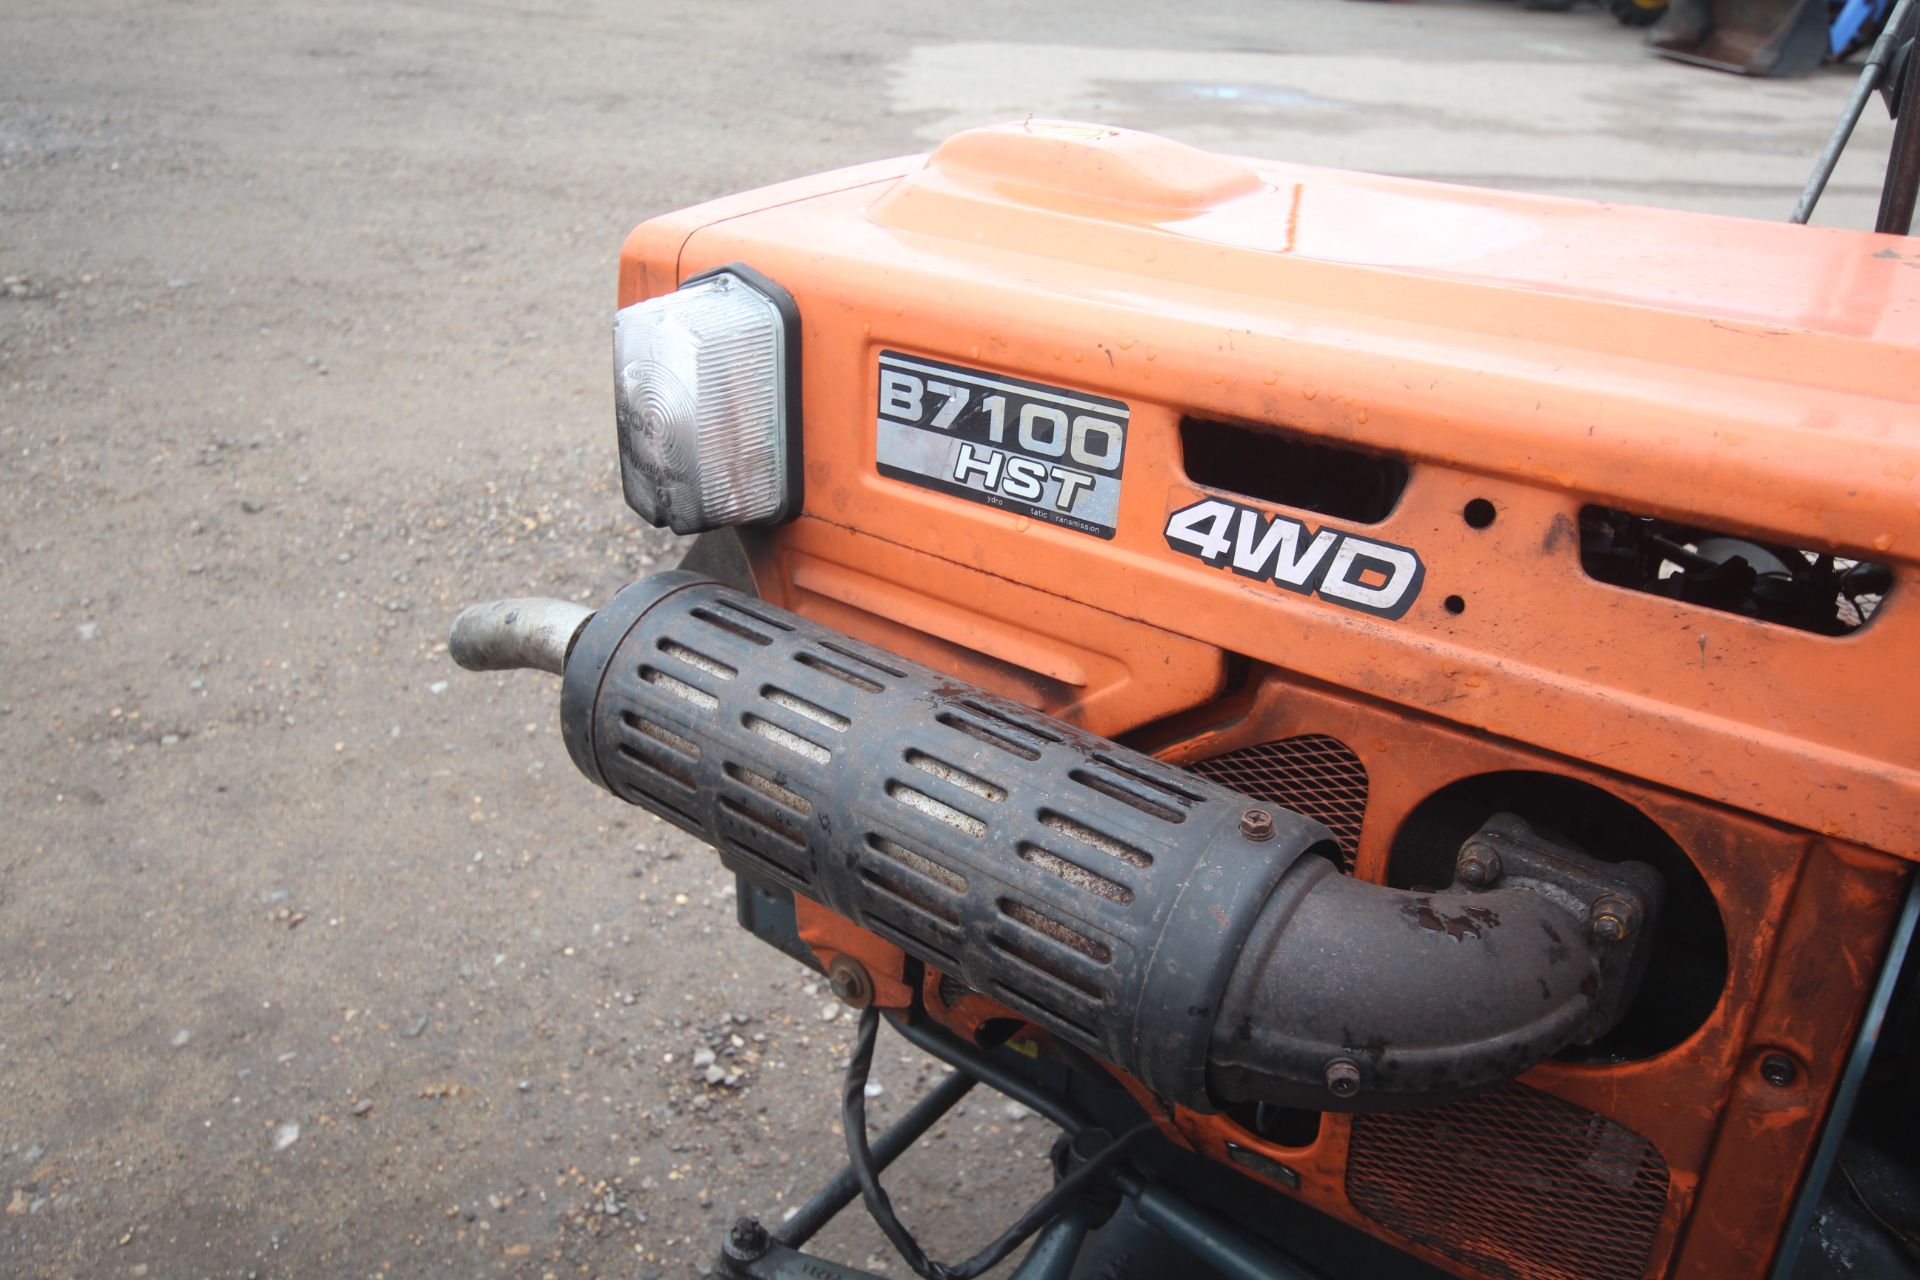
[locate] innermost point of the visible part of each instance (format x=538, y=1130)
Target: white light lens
x=701, y=390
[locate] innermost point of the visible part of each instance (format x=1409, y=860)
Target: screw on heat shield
x=1343, y=1077
x=1256, y=824
x=1778, y=1070
x=849, y=982
x=1478, y=866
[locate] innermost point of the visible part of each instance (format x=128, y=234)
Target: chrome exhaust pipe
x=534, y=632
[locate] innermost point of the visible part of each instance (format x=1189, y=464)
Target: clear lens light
x=700, y=378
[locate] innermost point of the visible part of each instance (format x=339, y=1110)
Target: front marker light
x=707, y=392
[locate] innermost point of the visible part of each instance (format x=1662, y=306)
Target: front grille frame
x=1493, y=1183
x=1514, y=1183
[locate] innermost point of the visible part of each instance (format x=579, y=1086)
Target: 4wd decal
x=1342, y=568
x=1045, y=452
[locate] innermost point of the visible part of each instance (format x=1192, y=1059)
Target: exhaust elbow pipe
x=1348, y=989
x=506, y=635
x=1196, y=941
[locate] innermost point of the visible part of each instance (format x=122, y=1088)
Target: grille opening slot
x=734, y=606
x=939, y=873
x=862, y=659
x=790, y=836
x=1076, y=875
x=697, y=660
x=1263, y=1165
x=661, y=734
x=838, y=672
x=1814, y=591
x=913, y=943
x=679, y=688
x=660, y=769
x=1282, y=1126
x=770, y=789
x=956, y=777
x=1054, y=970
x=1020, y=726
x=1095, y=840
x=980, y=733
x=921, y=802
x=1168, y=786
x=910, y=896
x=1312, y=774
x=628, y=789
x=1047, y=1015
x=720, y=622
x=774, y=868
x=1267, y=464
x=823, y=716
x=995, y=1032
x=1690, y=938
x=787, y=738
x=1058, y=930
x=1126, y=794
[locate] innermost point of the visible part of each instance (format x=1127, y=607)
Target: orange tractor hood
x=1541, y=354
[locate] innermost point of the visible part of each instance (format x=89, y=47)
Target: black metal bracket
x=750, y=1251
x=1902, y=186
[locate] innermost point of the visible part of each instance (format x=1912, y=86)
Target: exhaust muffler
x=1206, y=946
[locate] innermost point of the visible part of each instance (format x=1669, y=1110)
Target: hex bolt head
x=1611, y=919
x=848, y=981
x=1343, y=1077
x=1778, y=1070
x=746, y=1239
x=1256, y=824
x=1478, y=866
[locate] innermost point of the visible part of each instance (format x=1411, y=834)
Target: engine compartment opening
x=1688, y=970
x=1294, y=471
x=1814, y=591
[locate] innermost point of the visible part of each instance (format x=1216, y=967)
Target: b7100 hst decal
x=1342, y=568
x=1045, y=452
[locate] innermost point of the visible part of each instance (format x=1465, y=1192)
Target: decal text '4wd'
x=1342, y=568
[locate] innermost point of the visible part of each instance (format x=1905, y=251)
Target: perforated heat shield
x=1094, y=889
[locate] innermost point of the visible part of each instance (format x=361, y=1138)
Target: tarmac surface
x=317, y=958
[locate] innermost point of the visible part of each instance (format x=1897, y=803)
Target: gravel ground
x=316, y=957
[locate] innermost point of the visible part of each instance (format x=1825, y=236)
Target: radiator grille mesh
x=1514, y=1183
x=1312, y=774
